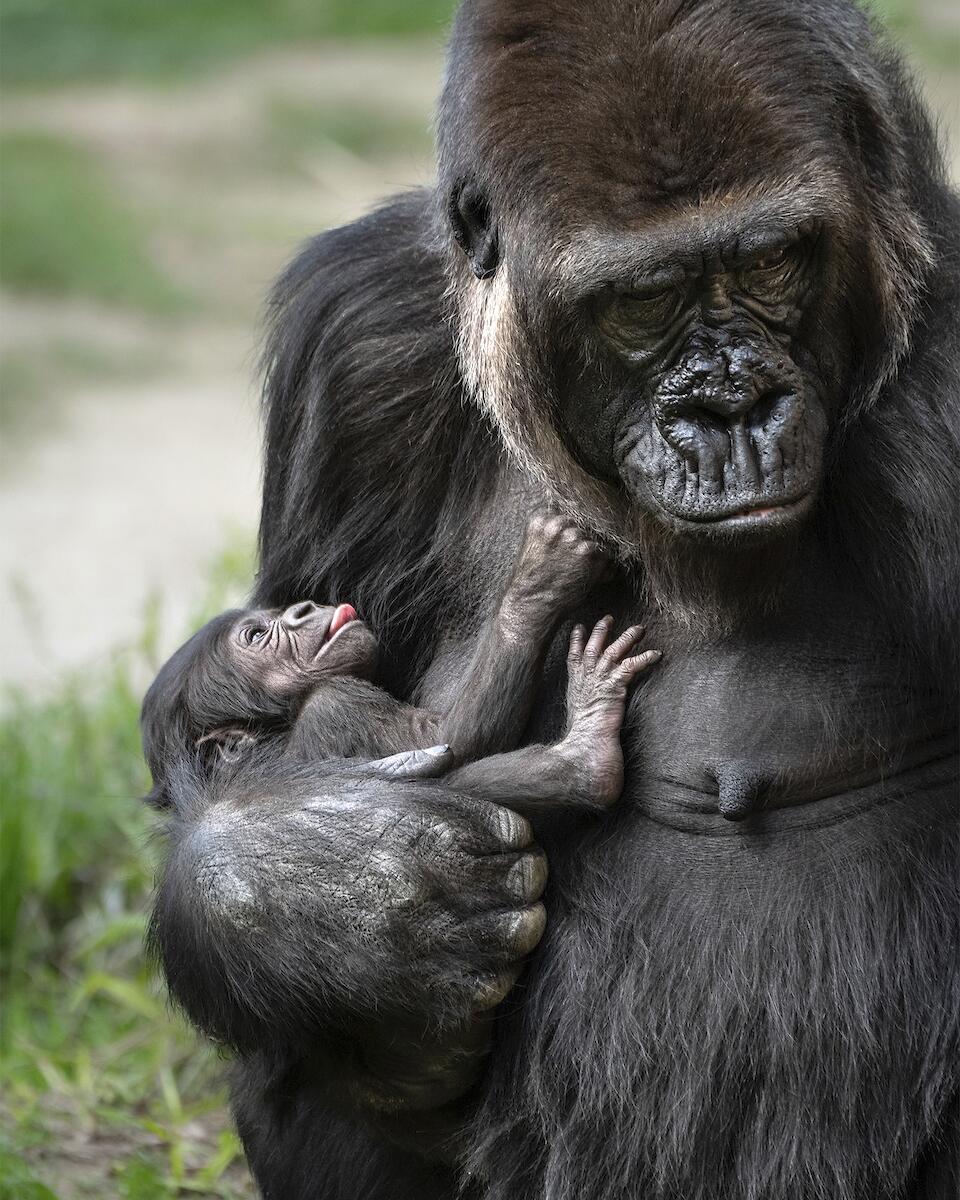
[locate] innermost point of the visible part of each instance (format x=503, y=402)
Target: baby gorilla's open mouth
x=343, y=615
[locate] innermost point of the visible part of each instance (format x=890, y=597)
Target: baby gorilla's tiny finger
x=629, y=638
x=630, y=668
x=598, y=639
x=555, y=527
x=578, y=636
x=584, y=548
x=414, y=764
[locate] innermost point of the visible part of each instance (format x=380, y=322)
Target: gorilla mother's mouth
x=764, y=513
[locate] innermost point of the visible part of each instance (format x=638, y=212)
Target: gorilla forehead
x=626, y=106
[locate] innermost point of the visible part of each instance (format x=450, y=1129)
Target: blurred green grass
x=63, y=41
x=64, y=232
x=104, y=1092
x=912, y=30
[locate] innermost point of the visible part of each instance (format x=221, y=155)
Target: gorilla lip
x=760, y=514
x=768, y=512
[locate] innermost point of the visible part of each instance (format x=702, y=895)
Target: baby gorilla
x=303, y=677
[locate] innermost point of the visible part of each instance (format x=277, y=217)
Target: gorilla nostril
x=296, y=614
x=710, y=421
x=772, y=405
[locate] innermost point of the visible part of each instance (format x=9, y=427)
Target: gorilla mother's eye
x=631, y=318
x=772, y=277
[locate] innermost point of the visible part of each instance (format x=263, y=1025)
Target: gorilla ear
x=474, y=228
x=227, y=744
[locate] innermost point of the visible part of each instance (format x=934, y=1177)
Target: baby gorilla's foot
x=598, y=677
x=556, y=567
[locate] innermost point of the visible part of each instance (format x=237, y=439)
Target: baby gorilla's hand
x=598, y=677
x=556, y=567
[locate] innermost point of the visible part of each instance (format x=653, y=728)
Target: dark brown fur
x=757, y=1011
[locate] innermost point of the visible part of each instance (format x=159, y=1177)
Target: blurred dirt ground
x=130, y=439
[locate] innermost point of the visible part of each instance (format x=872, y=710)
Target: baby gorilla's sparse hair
x=201, y=688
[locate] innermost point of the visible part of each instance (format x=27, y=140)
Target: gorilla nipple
x=741, y=790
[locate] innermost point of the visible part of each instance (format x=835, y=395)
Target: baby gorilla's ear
x=227, y=744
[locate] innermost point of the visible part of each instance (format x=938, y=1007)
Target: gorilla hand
x=313, y=907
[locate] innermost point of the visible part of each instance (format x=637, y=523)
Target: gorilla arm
x=487, y=705
x=307, y=911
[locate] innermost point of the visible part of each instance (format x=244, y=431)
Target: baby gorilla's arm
x=585, y=769
x=556, y=566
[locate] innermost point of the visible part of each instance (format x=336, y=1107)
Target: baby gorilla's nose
x=299, y=614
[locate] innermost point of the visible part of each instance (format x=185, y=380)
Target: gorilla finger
x=509, y=934
x=630, y=668
x=577, y=638
x=486, y=827
x=555, y=526
x=597, y=639
x=414, y=764
x=511, y=879
x=491, y=990
x=617, y=649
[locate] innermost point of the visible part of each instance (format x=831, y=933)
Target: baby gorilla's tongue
x=343, y=615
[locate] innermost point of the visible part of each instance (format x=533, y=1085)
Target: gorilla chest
x=739, y=729
x=717, y=1002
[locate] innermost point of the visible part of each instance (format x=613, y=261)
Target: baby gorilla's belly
x=724, y=735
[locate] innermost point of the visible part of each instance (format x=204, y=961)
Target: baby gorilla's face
x=290, y=650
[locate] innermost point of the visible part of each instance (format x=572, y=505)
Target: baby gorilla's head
x=246, y=673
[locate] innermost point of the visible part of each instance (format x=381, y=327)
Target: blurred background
x=160, y=162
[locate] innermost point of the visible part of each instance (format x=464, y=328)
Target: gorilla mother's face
x=694, y=393
x=671, y=275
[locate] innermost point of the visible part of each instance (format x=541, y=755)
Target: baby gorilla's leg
x=598, y=677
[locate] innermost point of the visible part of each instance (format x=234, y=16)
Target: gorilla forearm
x=245, y=927
x=307, y=911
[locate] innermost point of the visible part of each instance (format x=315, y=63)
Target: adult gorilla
x=694, y=263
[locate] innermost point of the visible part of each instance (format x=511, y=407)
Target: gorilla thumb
x=414, y=764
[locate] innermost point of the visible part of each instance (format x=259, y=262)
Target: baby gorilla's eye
x=252, y=634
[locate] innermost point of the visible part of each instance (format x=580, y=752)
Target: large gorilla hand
x=329, y=908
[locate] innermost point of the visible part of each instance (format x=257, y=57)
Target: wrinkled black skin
x=765, y=1007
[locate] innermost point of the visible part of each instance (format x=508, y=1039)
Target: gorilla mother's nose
x=299, y=614
x=757, y=404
